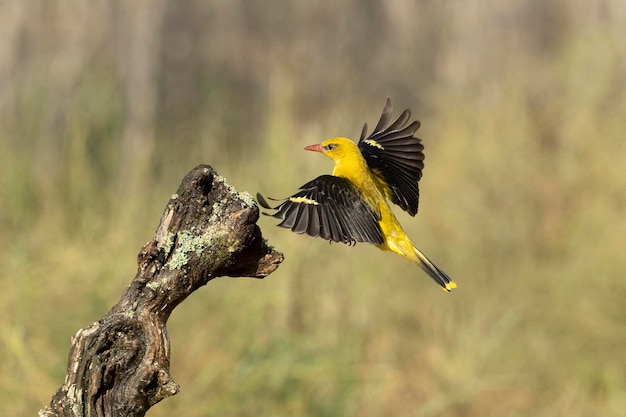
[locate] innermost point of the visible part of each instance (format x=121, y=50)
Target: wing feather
x=313, y=228
x=302, y=222
x=329, y=207
x=385, y=116
x=396, y=156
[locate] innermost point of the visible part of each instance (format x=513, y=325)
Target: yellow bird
x=351, y=205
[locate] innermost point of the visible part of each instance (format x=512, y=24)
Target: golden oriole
x=351, y=206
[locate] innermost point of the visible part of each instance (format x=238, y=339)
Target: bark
x=119, y=366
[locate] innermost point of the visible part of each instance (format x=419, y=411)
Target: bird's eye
x=330, y=146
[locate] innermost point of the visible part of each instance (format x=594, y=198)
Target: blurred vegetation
x=104, y=106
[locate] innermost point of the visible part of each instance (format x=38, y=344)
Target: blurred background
x=106, y=105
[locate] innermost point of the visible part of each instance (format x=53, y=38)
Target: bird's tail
x=434, y=272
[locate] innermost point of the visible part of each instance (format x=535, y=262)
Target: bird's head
x=335, y=148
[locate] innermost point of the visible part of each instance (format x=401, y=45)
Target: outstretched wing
x=396, y=156
x=329, y=207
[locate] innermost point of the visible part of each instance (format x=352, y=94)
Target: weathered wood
x=119, y=366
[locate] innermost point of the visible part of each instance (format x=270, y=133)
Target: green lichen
x=187, y=243
x=266, y=245
x=130, y=313
x=219, y=178
x=214, y=210
x=247, y=199
x=167, y=245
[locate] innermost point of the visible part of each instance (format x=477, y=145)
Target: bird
x=352, y=204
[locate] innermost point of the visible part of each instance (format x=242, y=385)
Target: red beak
x=314, y=148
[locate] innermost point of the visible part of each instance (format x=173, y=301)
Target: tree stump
x=119, y=366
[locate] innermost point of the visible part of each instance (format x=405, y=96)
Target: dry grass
x=103, y=111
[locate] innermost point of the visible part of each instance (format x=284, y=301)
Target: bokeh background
x=106, y=105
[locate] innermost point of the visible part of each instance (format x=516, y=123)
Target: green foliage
x=522, y=202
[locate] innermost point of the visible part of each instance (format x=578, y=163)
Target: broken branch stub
x=119, y=366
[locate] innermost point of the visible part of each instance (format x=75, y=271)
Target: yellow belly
x=395, y=239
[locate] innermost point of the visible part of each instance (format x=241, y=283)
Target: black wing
x=329, y=207
x=396, y=156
